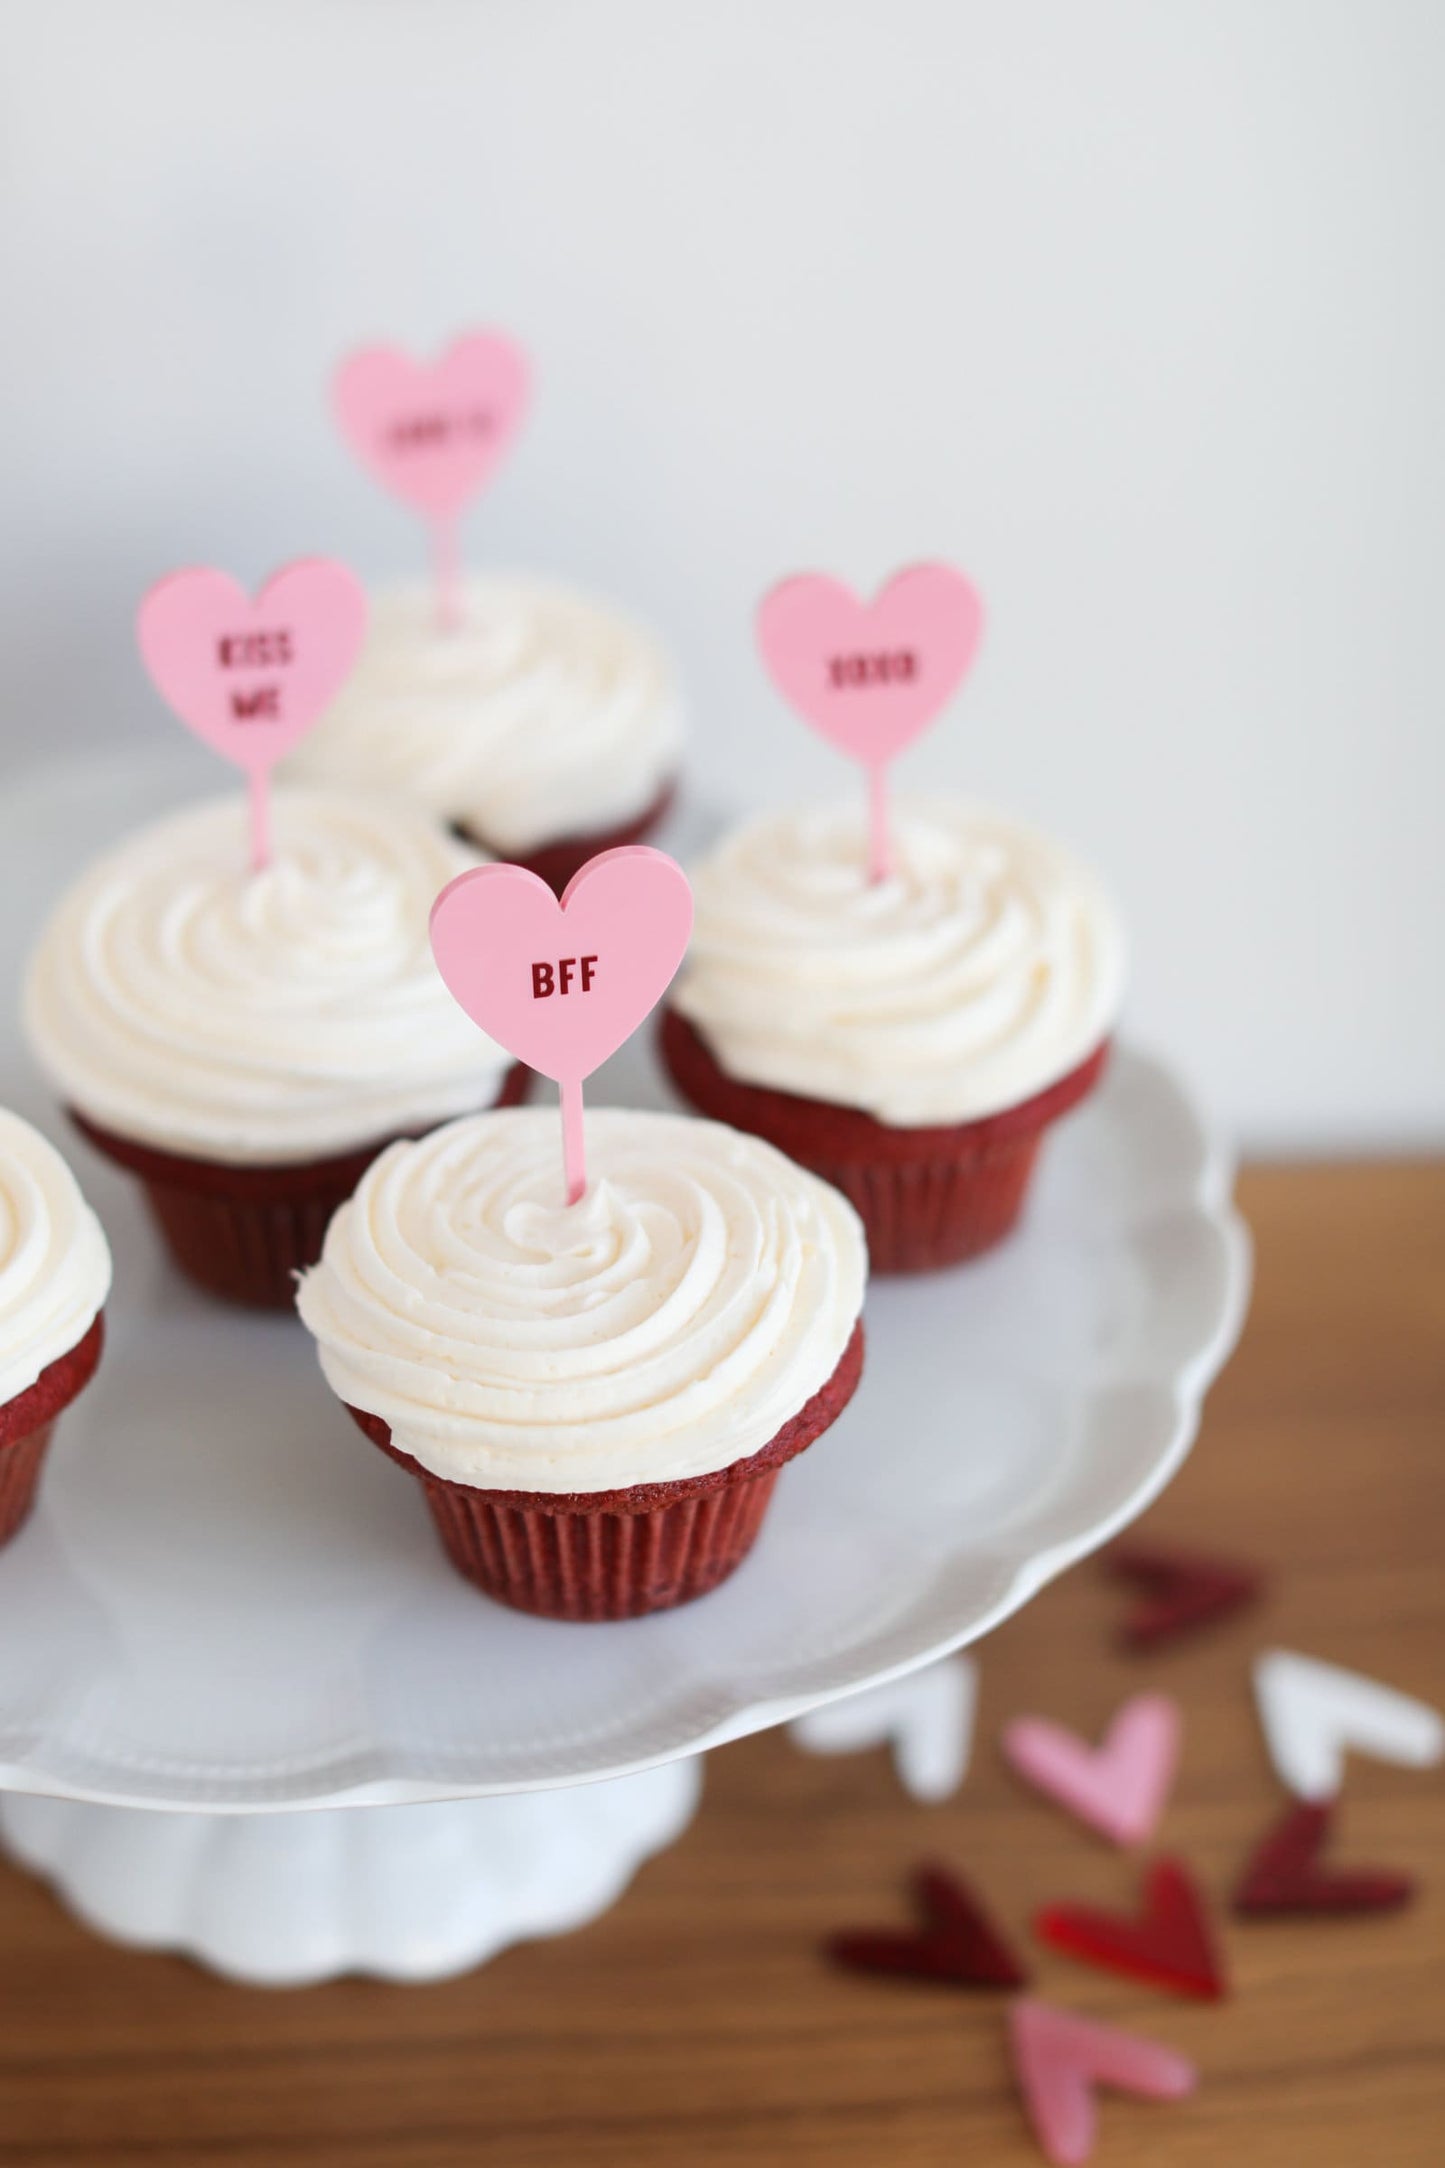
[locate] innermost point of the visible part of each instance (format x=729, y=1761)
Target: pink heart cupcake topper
x=561, y=985
x=871, y=676
x=434, y=432
x=251, y=677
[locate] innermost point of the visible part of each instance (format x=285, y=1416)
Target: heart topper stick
x=432, y=432
x=251, y=677
x=871, y=676
x=561, y=984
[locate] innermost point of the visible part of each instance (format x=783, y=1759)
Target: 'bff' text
x=549, y=980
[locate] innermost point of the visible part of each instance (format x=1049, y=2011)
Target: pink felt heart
x=1059, y=2059
x=251, y=677
x=561, y=985
x=870, y=675
x=432, y=432
x=1118, y=1787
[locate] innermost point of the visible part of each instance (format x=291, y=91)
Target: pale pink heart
x=561, y=985
x=1118, y=1787
x=251, y=677
x=870, y=676
x=1059, y=2059
x=432, y=432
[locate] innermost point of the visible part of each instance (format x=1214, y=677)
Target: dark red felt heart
x=1168, y=1943
x=1283, y=1872
x=958, y=1942
x=1182, y=1592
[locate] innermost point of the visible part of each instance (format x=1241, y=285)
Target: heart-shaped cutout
x=1182, y=1591
x=958, y=1942
x=926, y=1717
x=1118, y=1787
x=870, y=676
x=251, y=677
x=432, y=432
x=561, y=984
x=1168, y=1941
x=1285, y=1872
x=1059, y=2059
x=1315, y=1713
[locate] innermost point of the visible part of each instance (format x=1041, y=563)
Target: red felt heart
x=1283, y=1874
x=1183, y=1591
x=959, y=1943
x=1167, y=1943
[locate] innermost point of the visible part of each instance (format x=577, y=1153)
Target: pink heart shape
x=250, y=678
x=1058, y=2060
x=869, y=676
x=432, y=432
x=561, y=985
x=1118, y=1787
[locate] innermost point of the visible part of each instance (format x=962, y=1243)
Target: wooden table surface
x=695, y=2026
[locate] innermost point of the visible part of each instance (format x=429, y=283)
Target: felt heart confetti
x=926, y=1717
x=251, y=677
x=870, y=676
x=1119, y=1787
x=1182, y=1591
x=561, y=984
x=958, y=1943
x=1284, y=1875
x=1167, y=1942
x=1059, y=2059
x=434, y=432
x=1314, y=1713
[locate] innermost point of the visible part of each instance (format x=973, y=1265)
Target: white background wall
x=1130, y=308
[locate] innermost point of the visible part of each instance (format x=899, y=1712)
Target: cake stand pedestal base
x=403, y=1892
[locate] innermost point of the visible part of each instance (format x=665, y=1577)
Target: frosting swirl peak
x=541, y=715
x=667, y=1325
x=54, y=1259
x=984, y=968
x=185, y=1001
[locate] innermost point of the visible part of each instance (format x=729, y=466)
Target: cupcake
x=247, y=1042
x=545, y=727
x=911, y=1039
x=54, y=1278
x=596, y=1398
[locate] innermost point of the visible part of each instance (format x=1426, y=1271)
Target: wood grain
x=695, y=2024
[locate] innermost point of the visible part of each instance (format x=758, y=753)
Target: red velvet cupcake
x=544, y=726
x=597, y=1398
x=54, y=1278
x=247, y=1042
x=911, y=1041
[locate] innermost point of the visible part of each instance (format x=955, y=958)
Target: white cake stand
x=227, y=1628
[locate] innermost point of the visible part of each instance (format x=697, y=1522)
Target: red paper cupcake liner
x=556, y=862
x=595, y=1555
x=27, y=1424
x=244, y=1232
x=927, y=1197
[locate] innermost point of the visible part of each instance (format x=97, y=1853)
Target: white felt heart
x=1314, y=1713
x=926, y=1718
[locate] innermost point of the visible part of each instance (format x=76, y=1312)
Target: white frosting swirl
x=541, y=715
x=184, y=1001
x=665, y=1326
x=983, y=969
x=54, y=1260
